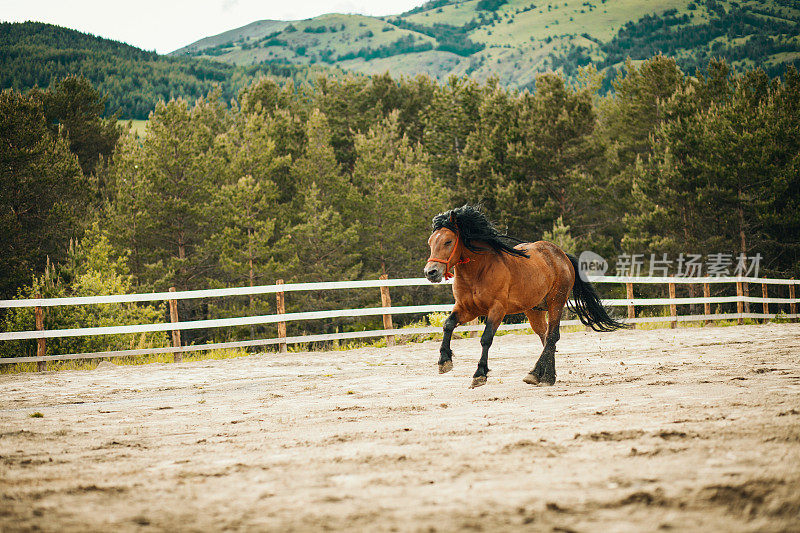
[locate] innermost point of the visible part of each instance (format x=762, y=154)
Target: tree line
x=339, y=180
x=37, y=54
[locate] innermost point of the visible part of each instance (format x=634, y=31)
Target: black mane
x=472, y=225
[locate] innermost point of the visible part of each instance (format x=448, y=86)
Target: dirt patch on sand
x=691, y=429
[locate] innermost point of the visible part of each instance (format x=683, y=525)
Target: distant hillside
x=515, y=39
x=243, y=34
x=36, y=54
x=512, y=40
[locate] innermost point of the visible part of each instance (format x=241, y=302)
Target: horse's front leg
x=493, y=320
x=445, y=353
x=458, y=316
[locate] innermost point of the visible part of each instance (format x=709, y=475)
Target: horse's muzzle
x=434, y=272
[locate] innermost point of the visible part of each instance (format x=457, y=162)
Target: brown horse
x=495, y=279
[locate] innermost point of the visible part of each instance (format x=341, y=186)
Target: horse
x=494, y=279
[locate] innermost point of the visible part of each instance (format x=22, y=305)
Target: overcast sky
x=165, y=25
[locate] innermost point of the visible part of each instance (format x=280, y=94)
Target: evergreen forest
x=339, y=180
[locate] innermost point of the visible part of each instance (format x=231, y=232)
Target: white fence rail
x=741, y=299
x=214, y=293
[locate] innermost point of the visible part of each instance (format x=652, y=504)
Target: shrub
x=91, y=269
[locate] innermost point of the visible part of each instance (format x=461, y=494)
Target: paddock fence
x=742, y=299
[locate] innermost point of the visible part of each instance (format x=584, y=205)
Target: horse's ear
x=453, y=220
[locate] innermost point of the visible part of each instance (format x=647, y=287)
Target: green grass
x=138, y=127
x=454, y=14
x=352, y=33
x=603, y=22
x=91, y=364
x=252, y=31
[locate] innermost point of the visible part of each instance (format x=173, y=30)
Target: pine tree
x=779, y=214
x=44, y=197
x=264, y=95
x=561, y=237
x=552, y=161
x=243, y=241
x=629, y=115
x=485, y=165
x=182, y=165
x=242, y=247
x=447, y=123
x=705, y=183
x=321, y=246
x=75, y=109
x=318, y=166
x=127, y=222
x=398, y=199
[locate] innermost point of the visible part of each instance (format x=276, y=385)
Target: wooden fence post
x=792, y=305
x=281, y=310
x=629, y=294
x=386, y=301
x=746, y=293
x=766, y=304
x=739, y=303
x=474, y=322
x=177, y=357
x=706, y=305
x=673, y=308
x=41, y=366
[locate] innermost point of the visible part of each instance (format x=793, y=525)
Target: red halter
x=447, y=274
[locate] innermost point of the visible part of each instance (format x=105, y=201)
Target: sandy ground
x=689, y=429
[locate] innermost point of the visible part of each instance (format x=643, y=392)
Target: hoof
x=446, y=367
x=477, y=382
x=531, y=379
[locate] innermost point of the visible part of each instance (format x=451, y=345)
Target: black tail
x=586, y=304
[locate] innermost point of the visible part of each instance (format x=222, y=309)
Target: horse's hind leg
x=545, y=370
x=538, y=322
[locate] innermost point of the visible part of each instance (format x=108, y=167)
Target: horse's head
x=445, y=251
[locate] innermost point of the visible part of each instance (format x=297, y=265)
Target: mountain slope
x=245, y=33
x=37, y=54
x=510, y=39
x=515, y=39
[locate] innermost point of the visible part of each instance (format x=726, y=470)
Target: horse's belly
x=481, y=307
x=512, y=310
